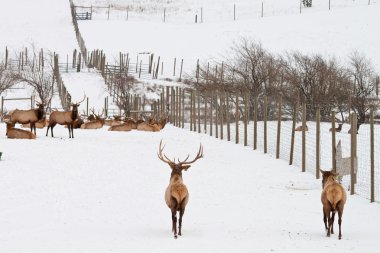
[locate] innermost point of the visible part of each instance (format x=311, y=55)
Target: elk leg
x=72, y=130
x=181, y=212
x=69, y=127
x=174, y=222
x=326, y=212
x=324, y=218
x=340, y=213
x=47, y=130
x=332, y=222
x=51, y=129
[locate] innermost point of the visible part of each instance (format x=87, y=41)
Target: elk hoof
x=175, y=236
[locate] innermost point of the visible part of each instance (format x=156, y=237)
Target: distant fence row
x=265, y=124
x=199, y=14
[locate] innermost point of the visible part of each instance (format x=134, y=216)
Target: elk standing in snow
x=28, y=116
x=64, y=118
x=333, y=198
x=176, y=194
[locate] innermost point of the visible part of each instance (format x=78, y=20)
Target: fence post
x=211, y=105
x=255, y=112
x=194, y=112
x=304, y=138
x=221, y=111
x=175, y=59
x=237, y=120
x=199, y=112
x=245, y=119
x=2, y=106
x=205, y=113
x=179, y=107
x=279, y=127
x=87, y=106
x=372, y=158
x=333, y=142
x=265, y=125
x=318, y=143
x=228, y=118
x=191, y=110
x=353, y=151
x=295, y=112
x=216, y=115
x=180, y=73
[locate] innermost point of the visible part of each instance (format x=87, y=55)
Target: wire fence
x=269, y=127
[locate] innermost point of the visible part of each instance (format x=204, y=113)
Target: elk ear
x=185, y=167
x=322, y=171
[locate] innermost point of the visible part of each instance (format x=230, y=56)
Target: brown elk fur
x=338, y=129
x=148, y=127
x=176, y=194
x=333, y=198
x=15, y=133
x=64, y=118
x=357, y=128
x=94, y=124
x=28, y=116
x=122, y=127
x=39, y=124
x=299, y=128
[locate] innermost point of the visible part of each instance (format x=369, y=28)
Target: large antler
x=84, y=97
x=163, y=157
x=198, y=156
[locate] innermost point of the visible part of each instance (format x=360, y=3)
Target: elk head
x=328, y=175
x=75, y=106
x=180, y=165
x=40, y=110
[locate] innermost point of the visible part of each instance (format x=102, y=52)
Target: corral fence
x=285, y=131
x=202, y=14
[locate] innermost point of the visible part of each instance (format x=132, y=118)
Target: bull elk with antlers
x=64, y=118
x=176, y=194
x=96, y=123
x=28, y=116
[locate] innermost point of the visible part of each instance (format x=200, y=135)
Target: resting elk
x=176, y=194
x=299, y=128
x=64, y=118
x=15, y=133
x=96, y=123
x=28, y=116
x=121, y=127
x=333, y=198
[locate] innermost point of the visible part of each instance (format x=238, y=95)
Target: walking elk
x=176, y=194
x=333, y=198
x=64, y=118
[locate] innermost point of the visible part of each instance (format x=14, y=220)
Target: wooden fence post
x=180, y=73
x=295, y=113
x=304, y=138
x=245, y=119
x=237, y=120
x=211, y=105
x=191, y=110
x=216, y=115
x=228, y=118
x=199, y=112
x=205, y=113
x=255, y=117
x=353, y=151
x=279, y=127
x=194, y=112
x=372, y=157
x=221, y=111
x=183, y=108
x=333, y=142
x=318, y=143
x=265, y=125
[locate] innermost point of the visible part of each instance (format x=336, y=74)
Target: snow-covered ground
x=336, y=33
x=103, y=192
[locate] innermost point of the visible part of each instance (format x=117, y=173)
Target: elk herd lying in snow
x=35, y=118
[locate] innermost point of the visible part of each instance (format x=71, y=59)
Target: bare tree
x=364, y=85
x=7, y=78
x=38, y=75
